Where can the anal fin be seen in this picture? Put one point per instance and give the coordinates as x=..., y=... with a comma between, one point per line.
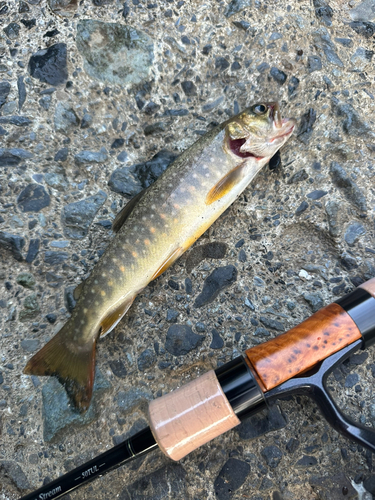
x=125, y=212
x=168, y=262
x=111, y=320
x=226, y=184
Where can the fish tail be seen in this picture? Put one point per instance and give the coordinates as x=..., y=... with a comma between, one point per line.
x=72, y=364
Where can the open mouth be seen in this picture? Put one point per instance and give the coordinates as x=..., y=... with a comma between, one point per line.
x=235, y=146
x=287, y=132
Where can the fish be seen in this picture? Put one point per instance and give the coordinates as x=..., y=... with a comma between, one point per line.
x=153, y=230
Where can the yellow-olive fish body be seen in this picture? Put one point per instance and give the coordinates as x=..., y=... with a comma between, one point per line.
x=153, y=231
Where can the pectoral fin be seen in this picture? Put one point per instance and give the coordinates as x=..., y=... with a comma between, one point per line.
x=126, y=211
x=226, y=184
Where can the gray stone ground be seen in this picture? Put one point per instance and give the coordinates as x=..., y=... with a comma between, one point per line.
x=89, y=91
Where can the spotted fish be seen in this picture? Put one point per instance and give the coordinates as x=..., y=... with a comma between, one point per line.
x=155, y=229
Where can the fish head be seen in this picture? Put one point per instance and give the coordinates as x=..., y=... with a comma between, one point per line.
x=258, y=131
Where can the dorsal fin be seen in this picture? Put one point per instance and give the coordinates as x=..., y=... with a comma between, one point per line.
x=225, y=184
x=126, y=211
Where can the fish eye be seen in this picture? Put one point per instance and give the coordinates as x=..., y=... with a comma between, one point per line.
x=260, y=109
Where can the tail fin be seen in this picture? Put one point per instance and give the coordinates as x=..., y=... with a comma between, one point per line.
x=73, y=365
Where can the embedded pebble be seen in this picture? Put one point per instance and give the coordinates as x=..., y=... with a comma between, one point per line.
x=33, y=250
x=12, y=243
x=322, y=40
x=217, y=342
x=4, y=92
x=272, y=455
x=315, y=301
x=306, y=126
x=33, y=198
x=299, y=176
x=363, y=11
x=349, y=188
x=123, y=182
x=146, y=360
x=30, y=309
x=91, y=157
x=118, y=368
x=78, y=216
x=352, y=122
x=332, y=208
x=172, y=316
x=65, y=118
x=181, y=339
x=113, y=52
x=49, y=65
x=353, y=233
x=159, y=484
x=363, y=28
x=14, y=472
x=323, y=11
x=13, y=156
x=220, y=279
x=232, y=475
x=26, y=280
x=278, y=75
x=213, y=250
x=274, y=324
x=149, y=171
x=301, y=208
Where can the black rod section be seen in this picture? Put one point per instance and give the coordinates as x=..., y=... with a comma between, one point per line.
x=240, y=387
x=360, y=305
x=133, y=447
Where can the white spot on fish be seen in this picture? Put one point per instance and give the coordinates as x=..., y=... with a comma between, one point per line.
x=195, y=176
x=96, y=282
x=85, y=310
x=144, y=218
x=82, y=321
x=207, y=175
x=92, y=290
x=104, y=275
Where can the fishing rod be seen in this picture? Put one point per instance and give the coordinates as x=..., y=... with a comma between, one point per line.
x=295, y=362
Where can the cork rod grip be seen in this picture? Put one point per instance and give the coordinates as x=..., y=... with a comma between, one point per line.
x=299, y=349
x=190, y=416
x=369, y=286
